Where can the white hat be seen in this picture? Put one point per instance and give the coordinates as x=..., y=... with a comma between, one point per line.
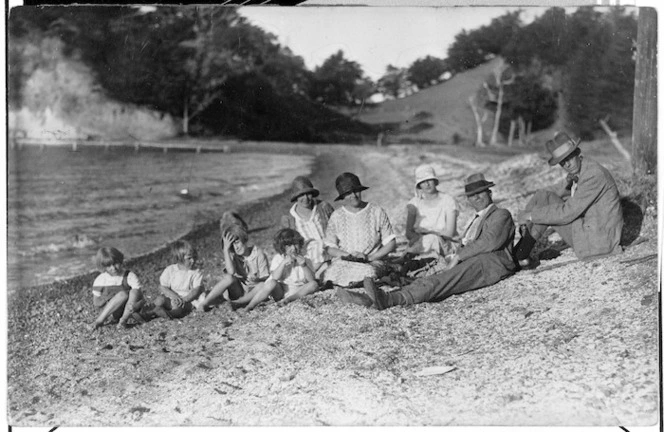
x=424, y=173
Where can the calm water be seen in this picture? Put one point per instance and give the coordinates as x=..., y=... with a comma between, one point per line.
x=64, y=205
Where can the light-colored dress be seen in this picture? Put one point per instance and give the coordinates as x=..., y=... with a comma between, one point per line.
x=366, y=232
x=313, y=230
x=432, y=215
x=293, y=276
x=182, y=281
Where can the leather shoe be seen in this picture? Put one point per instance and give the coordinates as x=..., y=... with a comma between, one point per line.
x=377, y=295
x=526, y=264
x=353, y=298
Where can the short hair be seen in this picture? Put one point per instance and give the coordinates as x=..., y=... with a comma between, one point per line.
x=182, y=248
x=108, y=256
x=286, y=237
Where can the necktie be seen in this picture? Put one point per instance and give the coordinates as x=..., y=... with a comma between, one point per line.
x=471, y=232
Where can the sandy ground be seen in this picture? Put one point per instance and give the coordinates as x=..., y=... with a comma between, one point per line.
x=568, y=343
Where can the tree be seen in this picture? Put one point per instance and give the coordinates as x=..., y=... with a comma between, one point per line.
x=394, y=82
x=644, y=153
x=335, y=80
x=426, y=70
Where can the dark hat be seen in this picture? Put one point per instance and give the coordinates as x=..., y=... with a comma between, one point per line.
x=475, y=183
x=232, y=223
x=560, y=147
x=301, y=186
x=347, y=183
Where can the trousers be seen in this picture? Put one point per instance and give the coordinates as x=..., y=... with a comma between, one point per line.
x=477, y=272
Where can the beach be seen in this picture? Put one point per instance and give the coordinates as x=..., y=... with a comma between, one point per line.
x=569, y=343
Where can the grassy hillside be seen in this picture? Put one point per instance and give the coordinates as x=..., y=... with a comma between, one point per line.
x=438, y=114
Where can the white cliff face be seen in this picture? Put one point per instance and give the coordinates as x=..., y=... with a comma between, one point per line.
x=61, y=100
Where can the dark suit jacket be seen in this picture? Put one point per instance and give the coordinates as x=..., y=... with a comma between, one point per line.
x=495, y=236
x=594, y=212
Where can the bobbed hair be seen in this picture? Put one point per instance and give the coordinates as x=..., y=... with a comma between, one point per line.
x=286, y=237
x=108, y=256
x=182, y=248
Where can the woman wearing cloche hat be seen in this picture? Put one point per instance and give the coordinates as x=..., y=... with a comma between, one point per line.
x=431, y=221
x=357, y=231
x=309, y=216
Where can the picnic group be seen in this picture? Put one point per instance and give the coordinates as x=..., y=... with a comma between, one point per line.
x=352, y=249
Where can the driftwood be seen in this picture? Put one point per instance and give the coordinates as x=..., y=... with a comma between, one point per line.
x=614, y=140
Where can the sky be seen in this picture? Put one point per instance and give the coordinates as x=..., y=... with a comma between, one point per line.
x=374, y=37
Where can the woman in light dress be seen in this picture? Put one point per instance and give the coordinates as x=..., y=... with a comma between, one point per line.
x=431, y=222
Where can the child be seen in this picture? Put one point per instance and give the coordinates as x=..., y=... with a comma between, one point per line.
x=291, y=277
x=115, y=291
x=246, y=265
x=181, y=284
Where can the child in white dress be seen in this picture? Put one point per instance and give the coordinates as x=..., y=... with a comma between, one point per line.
x=180, y=284
x=115, y=291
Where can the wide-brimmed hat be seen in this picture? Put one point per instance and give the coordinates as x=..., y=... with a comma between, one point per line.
x=561, y=146
x=475, y=183
x=424, y=173
x=347, y=183
x=302, y=186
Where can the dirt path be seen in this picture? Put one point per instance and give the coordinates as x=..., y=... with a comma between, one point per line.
x=575, y=345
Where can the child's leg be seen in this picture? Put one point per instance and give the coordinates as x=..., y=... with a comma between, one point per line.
x=133, y=304
x=262, y=291
x=162, y=305
x=227, y=282
x=113, y=305
x=306, y=289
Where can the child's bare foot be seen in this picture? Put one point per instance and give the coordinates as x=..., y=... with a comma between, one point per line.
x=122, y=324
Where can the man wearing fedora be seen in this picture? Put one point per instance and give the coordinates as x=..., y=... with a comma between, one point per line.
x=586, y=213
x=484, y=259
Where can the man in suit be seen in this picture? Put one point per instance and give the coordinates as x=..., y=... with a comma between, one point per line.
x=484, y=259
x=586, y=213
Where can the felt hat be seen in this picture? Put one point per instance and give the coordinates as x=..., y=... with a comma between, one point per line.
x=475, y=183
x=302, y=186
x=560, y=147
x=424, y=173
x=232, y=223
x=347, y=183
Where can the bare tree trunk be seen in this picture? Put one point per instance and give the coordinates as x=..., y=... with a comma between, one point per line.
x=529, y=130
x=498, y=74
x=522, y=131
x=614, y=140
x=511, y=137
x=644, y=125
x=479, y=139
x=185, y=117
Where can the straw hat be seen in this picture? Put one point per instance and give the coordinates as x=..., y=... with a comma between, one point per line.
x=347, y=183
x=302, y=186
x=560, y=147
x=424, y=173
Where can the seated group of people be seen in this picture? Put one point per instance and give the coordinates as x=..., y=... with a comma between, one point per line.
x=353, y=245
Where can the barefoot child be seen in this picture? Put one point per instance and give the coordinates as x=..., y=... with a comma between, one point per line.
x=246, y=265
x=291, y=277
x=115, y=291
x=180, y=284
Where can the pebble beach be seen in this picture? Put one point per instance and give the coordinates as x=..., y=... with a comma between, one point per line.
x=569, y=343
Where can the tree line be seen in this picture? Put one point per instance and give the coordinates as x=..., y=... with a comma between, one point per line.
x=211, y=67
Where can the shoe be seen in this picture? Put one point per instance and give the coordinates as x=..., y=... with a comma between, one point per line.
x=353, y=298
x=376, y=294
x=526, y=264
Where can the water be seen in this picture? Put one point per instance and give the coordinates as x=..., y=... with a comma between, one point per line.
x=64, y=205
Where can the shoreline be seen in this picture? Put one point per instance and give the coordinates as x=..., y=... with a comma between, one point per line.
x=254, y=211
